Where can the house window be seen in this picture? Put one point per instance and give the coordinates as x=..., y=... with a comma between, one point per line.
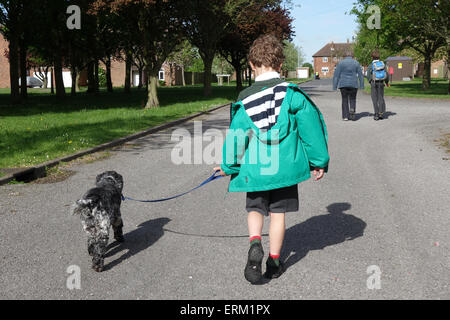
x=162, y=75
x=325, y=59
x=325, y=70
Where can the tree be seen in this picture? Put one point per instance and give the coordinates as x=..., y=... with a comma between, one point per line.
x=310, y=66
x=51, y=41
x=403, y=27
x=15, y=16
x=205, y=24
x=442, y=27
x=184, y=56
x=258, y=17
x=294, y=56
x=366, y=42
x=157, y=26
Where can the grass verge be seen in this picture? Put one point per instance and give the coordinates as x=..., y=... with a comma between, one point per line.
x=45, y=128
x=413, y=89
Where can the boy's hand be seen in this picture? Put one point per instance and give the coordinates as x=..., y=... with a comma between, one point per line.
x=219, y=169
x=319, y=173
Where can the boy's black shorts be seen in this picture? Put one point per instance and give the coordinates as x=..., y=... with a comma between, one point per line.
x=273, y=201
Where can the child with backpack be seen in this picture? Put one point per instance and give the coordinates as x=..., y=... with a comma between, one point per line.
x=378, y=79
x=276, y=139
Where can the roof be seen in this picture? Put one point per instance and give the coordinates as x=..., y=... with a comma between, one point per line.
x=398, y=59
x=339, y=48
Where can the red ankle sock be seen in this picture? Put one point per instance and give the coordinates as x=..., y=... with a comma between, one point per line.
x=275, y=260
x=255, y=240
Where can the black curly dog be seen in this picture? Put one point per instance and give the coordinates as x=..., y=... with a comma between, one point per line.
x=99, y=209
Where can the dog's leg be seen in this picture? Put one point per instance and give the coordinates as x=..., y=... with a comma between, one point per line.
x=98, y=237
x=117, y=225
x=118, y=231
x=97, y=249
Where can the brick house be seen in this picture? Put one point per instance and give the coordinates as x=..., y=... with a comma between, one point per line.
x=117, y=72
x=327, y=58
x=4, y=63
x=439, y=69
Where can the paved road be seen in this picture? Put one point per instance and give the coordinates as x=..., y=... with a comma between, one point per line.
x=385, y=202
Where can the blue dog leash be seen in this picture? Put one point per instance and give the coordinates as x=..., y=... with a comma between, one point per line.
x=214, y=177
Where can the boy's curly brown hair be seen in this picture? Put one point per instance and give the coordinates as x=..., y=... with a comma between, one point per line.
x=267, y=51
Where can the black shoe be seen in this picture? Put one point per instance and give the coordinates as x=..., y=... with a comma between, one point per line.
x=376, y=117
x=253, y=270
x=273, y=271
x=353, y=117
x=381, y=116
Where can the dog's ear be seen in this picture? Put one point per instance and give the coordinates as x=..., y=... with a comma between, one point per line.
x=119, y=181
x=100, y=177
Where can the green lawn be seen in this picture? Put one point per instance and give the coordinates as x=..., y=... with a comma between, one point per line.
x=413, y=89
x=44, y=128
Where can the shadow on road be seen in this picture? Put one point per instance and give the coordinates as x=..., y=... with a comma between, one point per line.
x=320, y=232
x=361, y=115
x=147, y=234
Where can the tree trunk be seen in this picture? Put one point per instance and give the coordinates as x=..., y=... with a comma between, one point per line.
x=141, y=77
x=448, y=67
x=59, y=80
x=78, y=81
x=109, y=83
x=249, y=77
x=152, y=94
x=52, y=80
x=128, y=65
x=145, y=77
x=45, y=77
x=23, y=72
x=74, y=74
x=207, y=61
x=170, y=74
x=238, y=69
x=182, y=76
x=426, y=81
x=96, y=78
x=14, y=69
x=91, y=78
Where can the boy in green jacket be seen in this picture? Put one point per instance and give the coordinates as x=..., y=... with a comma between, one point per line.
x=277, y=137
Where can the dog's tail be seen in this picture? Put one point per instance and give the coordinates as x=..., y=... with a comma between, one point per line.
x=82, y=207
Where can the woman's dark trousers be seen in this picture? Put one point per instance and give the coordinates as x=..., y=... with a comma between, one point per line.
x=348, y=102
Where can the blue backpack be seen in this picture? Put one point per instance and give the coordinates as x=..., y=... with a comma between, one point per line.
x=379, y=71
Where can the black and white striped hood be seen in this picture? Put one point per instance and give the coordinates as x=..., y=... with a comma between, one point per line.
x=264, y=107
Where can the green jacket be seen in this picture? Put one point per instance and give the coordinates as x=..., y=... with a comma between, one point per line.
x=261, y=160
